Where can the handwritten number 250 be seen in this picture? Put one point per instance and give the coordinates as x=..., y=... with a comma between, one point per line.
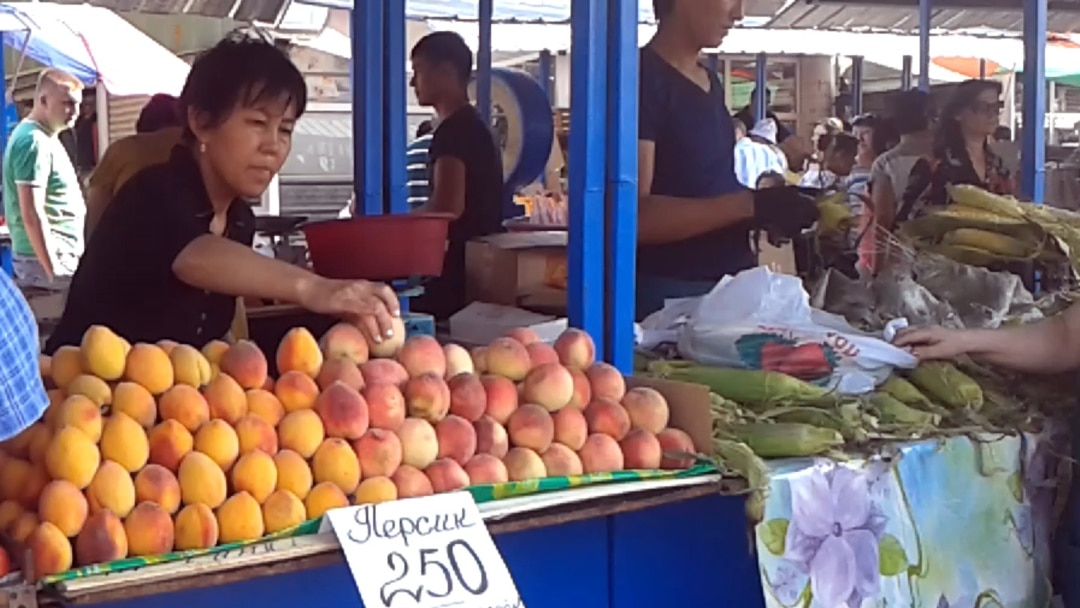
x=396, y=561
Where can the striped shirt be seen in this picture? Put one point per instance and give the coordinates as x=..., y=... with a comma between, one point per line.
x=753, y=159
x=416, y=165
x=22, y=394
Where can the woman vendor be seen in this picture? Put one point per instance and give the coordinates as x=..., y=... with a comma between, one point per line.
x=173, y=249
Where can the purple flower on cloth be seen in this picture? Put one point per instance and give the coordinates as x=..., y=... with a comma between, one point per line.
x=834, y=533
x=787, y=583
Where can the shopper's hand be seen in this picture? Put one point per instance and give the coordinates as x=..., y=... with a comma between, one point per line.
x=784, y=212
x=930, y=343
x=371, y=306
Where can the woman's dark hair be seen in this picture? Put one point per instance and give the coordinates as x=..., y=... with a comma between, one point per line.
x=158, y=113
x=949, y=136
x=911, y=112
x=884, y=138
x=240, y=71
x=447, y=48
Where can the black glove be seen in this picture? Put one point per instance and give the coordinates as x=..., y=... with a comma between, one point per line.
x=784, y=212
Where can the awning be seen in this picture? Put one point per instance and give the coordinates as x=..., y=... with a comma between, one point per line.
x=95, y=45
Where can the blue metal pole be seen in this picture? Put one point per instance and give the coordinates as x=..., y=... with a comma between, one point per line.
x=856, y=86
x=483, y=62
x=367, y=120
x=1033, y=135
x=546, y=73
x=761, y=85
x=588, y=120
x=395, y=108
x=905, y=74
x=924, y=44
x=622, y=173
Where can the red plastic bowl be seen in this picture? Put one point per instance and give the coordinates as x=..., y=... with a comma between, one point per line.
x=379, y=247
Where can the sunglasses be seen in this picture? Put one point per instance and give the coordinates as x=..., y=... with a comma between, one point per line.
x=985, y=107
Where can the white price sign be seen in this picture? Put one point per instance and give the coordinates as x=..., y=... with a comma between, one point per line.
x=429, y=552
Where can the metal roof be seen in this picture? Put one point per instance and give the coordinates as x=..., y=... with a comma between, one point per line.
x=902, y=15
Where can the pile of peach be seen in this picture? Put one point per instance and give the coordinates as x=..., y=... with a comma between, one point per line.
x=147, y=449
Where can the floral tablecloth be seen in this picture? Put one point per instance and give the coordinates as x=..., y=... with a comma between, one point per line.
x=957, y=523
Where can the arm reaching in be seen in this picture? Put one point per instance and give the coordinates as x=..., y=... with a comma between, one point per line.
x=1049, y=346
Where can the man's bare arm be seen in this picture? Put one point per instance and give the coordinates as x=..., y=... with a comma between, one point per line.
x=32, y=209
x=669, y=219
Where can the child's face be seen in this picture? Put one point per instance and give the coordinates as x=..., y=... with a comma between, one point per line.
x=840, y=163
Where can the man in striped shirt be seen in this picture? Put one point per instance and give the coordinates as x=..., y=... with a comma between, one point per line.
x=416, y=161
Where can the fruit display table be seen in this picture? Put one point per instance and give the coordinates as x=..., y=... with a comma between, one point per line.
x=617, y=546
x=960, y=522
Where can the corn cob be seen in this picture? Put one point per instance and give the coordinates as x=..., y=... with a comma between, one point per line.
x=833, y=215
x=986, y=240
x=827, y=419
x=786, y=439
x=976, y=215
x=948, y=385
x=738, y=458
x=743, y=386
x=973, y=196
x=894, y=411
x=904, y=391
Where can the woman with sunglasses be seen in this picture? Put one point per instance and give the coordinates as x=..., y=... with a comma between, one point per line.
x=962, y=152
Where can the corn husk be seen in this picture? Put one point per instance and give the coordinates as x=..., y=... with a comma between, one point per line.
x=743, y=386
x=786, y=439
x=948, y=385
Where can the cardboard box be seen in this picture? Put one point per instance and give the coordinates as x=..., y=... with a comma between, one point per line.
x=515, y=267
x=479, y=323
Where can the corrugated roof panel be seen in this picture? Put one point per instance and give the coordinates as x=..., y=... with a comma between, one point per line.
x=866, y=16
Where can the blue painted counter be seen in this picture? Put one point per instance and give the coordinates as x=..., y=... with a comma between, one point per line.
x=690, y=553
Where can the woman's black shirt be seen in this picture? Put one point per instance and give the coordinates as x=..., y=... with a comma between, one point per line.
x=125, y=279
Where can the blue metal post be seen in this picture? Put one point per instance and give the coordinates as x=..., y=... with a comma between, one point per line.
x=367, y=56
x=1033, y=136
x=483, y=62
x=856, y=86
x=761, y=85
x=546, y=74
x=905, y=74
x=588, y=122
x=924, y=44
x=395, y=108
x=622, y=173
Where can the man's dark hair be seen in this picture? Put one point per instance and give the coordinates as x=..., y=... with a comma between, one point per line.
x=844, y=143
x=1003, y=133
x=240, y=71
x=768, y=94
x=158, y=113
x=424, y=128
x=912, y=112
x=662, y=8
x=447, y=48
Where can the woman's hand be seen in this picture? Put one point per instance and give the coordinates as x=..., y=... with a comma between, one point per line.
x=371, y=306
x=929, y=343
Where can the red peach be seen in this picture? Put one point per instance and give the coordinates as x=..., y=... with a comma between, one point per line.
x=491, y=437
x=601, y=454
x=607, y=417
x=524, y=335
x=647, y=409
x=576, y=349
x=561, y=461
x=457, y=438
x=523, y=464
x=531, y=426
x=502, y=397
x=508, y=358
x=446, y=475
x=479, y=359
x=379, y=452
x=673, y=442
x=606, y=381
x=641, y=450
x=343, y=411
x=468, y=398
x=245, y=363
x=383, y=371
x=422, y=355
x=571, y=429
x=541, y=353
x=550, y=386
x=484, y=469
x=344, y=341
x=582, y=390
x=340, y=370
x=419, y=444
x=411, y=482
x=427, y=397
x=386, y=406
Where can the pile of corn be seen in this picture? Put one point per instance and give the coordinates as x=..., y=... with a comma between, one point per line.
x=778, y=416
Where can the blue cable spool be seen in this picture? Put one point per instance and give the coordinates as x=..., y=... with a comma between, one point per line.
x=523, y=124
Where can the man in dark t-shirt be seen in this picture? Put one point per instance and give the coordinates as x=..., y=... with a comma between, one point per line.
x=465, y=167
x=695, y=218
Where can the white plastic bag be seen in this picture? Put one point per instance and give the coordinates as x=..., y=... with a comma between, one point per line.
x=762, y=320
